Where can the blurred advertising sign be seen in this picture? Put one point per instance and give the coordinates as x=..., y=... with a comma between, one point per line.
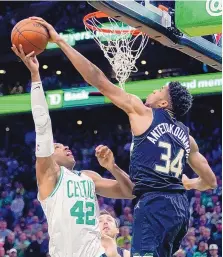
x=197, y=84
x=71, y=37
x=80, y=97
x=54, y=99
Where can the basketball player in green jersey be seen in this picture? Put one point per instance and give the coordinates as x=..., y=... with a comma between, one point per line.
x=68, y=197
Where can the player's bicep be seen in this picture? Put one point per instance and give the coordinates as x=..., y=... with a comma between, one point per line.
x=44, y=166
x=200, y=165
x=197, y=162
x=127, y=102
x=46, y=175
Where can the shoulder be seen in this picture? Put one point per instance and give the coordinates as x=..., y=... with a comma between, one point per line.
x=138, y=105
x=193, y=145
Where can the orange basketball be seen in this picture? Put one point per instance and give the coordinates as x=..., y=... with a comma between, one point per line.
x=31, y=35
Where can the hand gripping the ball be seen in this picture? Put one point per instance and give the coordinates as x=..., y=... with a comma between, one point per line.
x=54, y=36
x=29, y=60
x=105, y=157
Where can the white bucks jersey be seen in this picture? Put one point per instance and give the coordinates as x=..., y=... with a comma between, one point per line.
x=72, y=214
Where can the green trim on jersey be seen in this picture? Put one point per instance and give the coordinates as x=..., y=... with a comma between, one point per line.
x=58, y=182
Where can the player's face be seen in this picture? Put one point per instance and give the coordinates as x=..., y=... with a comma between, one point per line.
x=108, y=226
x=63, y=156
x=158, y=99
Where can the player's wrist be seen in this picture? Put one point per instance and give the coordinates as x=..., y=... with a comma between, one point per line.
x=111, y=167
x=35, y=76
x=60, y=41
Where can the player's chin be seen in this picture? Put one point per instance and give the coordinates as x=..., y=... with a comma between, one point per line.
x=71, y=159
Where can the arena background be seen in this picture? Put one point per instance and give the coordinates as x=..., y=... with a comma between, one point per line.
x=83, y=122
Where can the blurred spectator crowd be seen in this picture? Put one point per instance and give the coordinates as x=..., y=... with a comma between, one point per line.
x=23, y=226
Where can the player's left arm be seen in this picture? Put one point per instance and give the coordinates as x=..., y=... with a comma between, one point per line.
x=121, y=187
x=109, y=187
x=199, y=164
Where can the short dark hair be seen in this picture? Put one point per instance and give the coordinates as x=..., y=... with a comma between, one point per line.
x=181, y=99
x=104, y=212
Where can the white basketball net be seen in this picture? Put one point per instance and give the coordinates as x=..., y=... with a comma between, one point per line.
x=122, y=50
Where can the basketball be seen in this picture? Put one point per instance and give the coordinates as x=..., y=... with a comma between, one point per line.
x=31, y=35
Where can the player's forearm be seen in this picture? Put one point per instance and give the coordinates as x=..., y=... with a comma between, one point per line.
x=123, y=179
x=40, y=112
x=87, y=69
x=37, y=93
x=200, y=184
x=207, y=175
x=35, y=77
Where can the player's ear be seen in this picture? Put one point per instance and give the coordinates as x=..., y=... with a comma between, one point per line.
x=163, y=104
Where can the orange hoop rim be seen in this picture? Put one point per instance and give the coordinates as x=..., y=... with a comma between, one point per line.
x=99, y=15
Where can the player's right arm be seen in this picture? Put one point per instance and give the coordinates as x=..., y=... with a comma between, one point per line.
x=46, y=169
x=199, y=164
x=95, y=77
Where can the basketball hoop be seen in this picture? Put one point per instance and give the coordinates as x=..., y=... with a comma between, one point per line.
x=120, y=43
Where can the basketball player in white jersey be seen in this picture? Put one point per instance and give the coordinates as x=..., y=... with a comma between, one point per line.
x=68, y=197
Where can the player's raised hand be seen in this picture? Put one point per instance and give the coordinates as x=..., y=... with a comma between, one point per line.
x=29, y=60
x=105, y=157
x=54, y=36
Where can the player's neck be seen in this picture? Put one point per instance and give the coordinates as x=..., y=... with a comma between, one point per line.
x=171, y=113
x=70, y=168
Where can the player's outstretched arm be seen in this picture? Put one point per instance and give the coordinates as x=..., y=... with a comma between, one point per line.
x=94, y=76
x=46, y=168
x=121, y=188
x=199, y=164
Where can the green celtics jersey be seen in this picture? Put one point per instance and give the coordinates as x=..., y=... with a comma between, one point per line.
x=72, y=214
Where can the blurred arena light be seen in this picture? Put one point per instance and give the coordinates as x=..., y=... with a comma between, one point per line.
x=160, y=71
x=143, y=62
x=45, y=67
x=7, y=129
x=79, y=122
x=58, y=72
x=2, y=71
x=146, y=72
x=212, y=111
